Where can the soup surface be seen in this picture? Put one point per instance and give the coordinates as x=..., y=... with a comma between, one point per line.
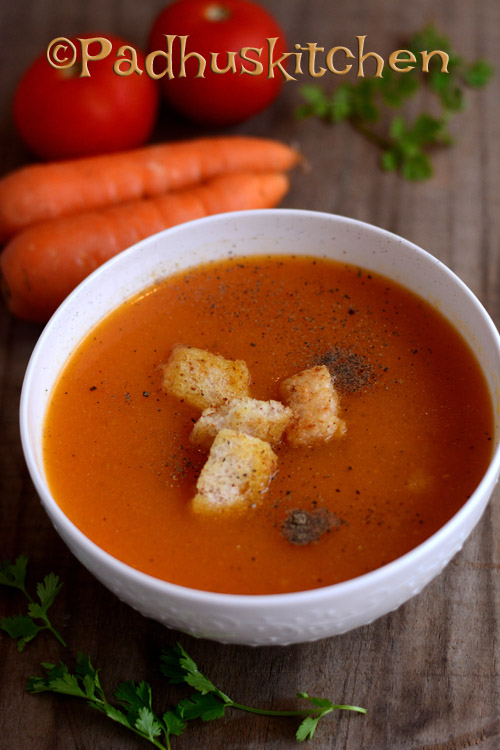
x=418, y=416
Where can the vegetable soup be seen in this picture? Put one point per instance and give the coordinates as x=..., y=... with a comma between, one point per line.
x=416, y=413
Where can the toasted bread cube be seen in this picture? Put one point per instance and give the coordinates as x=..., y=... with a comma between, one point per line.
x=236, y=473
x=204, y=379
x=266, y=420
x=314, y=403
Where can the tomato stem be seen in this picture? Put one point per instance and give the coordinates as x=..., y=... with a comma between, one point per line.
x=217, y=12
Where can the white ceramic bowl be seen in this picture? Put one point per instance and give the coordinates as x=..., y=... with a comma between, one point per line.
x=267, y=619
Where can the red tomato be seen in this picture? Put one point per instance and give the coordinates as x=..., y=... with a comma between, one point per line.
x=60, y=115
x=219, y=26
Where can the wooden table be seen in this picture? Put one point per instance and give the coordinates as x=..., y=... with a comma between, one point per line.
x=427, y=673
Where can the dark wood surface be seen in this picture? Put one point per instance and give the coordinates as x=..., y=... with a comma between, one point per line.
x=429, y=673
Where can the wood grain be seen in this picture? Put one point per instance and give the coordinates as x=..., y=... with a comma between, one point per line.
x=429, y=673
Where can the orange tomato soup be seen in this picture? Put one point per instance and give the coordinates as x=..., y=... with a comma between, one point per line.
x=418, y=414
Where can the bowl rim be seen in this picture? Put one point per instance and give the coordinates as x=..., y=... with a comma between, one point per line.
x=200, y=596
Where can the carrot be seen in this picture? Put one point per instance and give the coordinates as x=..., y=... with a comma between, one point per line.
x=45, y=191
x=42, y=264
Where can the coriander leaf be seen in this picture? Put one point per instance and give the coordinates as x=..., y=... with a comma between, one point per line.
x=307, y=728
x=478, y=74
x=148, y=724
x=394, y=88
x=47, y=590
x=58, y=679
x=134, y=696
x=397, y=127
x=201, y=683
x=89, y=678
x=426, y=129
x=364, y=103
x=416, y=167
x=21, y=627
x=363, y=94
x=174, y=723
x=341, y=103
x=14, y=574
x=113, y=713
x=178, y=666
x=170, y=665
x=205, y=707
x=320, y=702
x=390, y=160
x=428, y=39
x=452, y=98
x=317, y=103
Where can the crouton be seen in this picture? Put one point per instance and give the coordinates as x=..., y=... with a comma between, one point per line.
x=236, y=473
x=314, y=403
x=263, y=419
x=204, y=379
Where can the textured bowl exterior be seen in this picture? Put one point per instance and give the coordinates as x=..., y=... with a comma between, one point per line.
x=282, y=618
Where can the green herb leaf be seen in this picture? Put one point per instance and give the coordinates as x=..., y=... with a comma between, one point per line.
x=20, y=627
x=478, y=74
x=320, y=702
x=205, y=707
x=47, y=590
x=341, y=104
x=148, y=724
x=174, y=723
x=206, y=703
x=133, y=696
x=14, y=574
x=307, y=728
x=405, y=146
x=178, y=666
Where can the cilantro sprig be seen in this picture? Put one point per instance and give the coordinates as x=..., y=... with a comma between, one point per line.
x=133, y=701
x=374, y=107
x=24, y=627
x=209, y=702
x=132, y=704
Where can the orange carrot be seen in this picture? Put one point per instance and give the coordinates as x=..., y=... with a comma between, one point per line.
x=42, y=264
x=47, y=191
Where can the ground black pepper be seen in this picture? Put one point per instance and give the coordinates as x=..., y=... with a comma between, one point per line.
x=352, y=371
x=303, y=527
